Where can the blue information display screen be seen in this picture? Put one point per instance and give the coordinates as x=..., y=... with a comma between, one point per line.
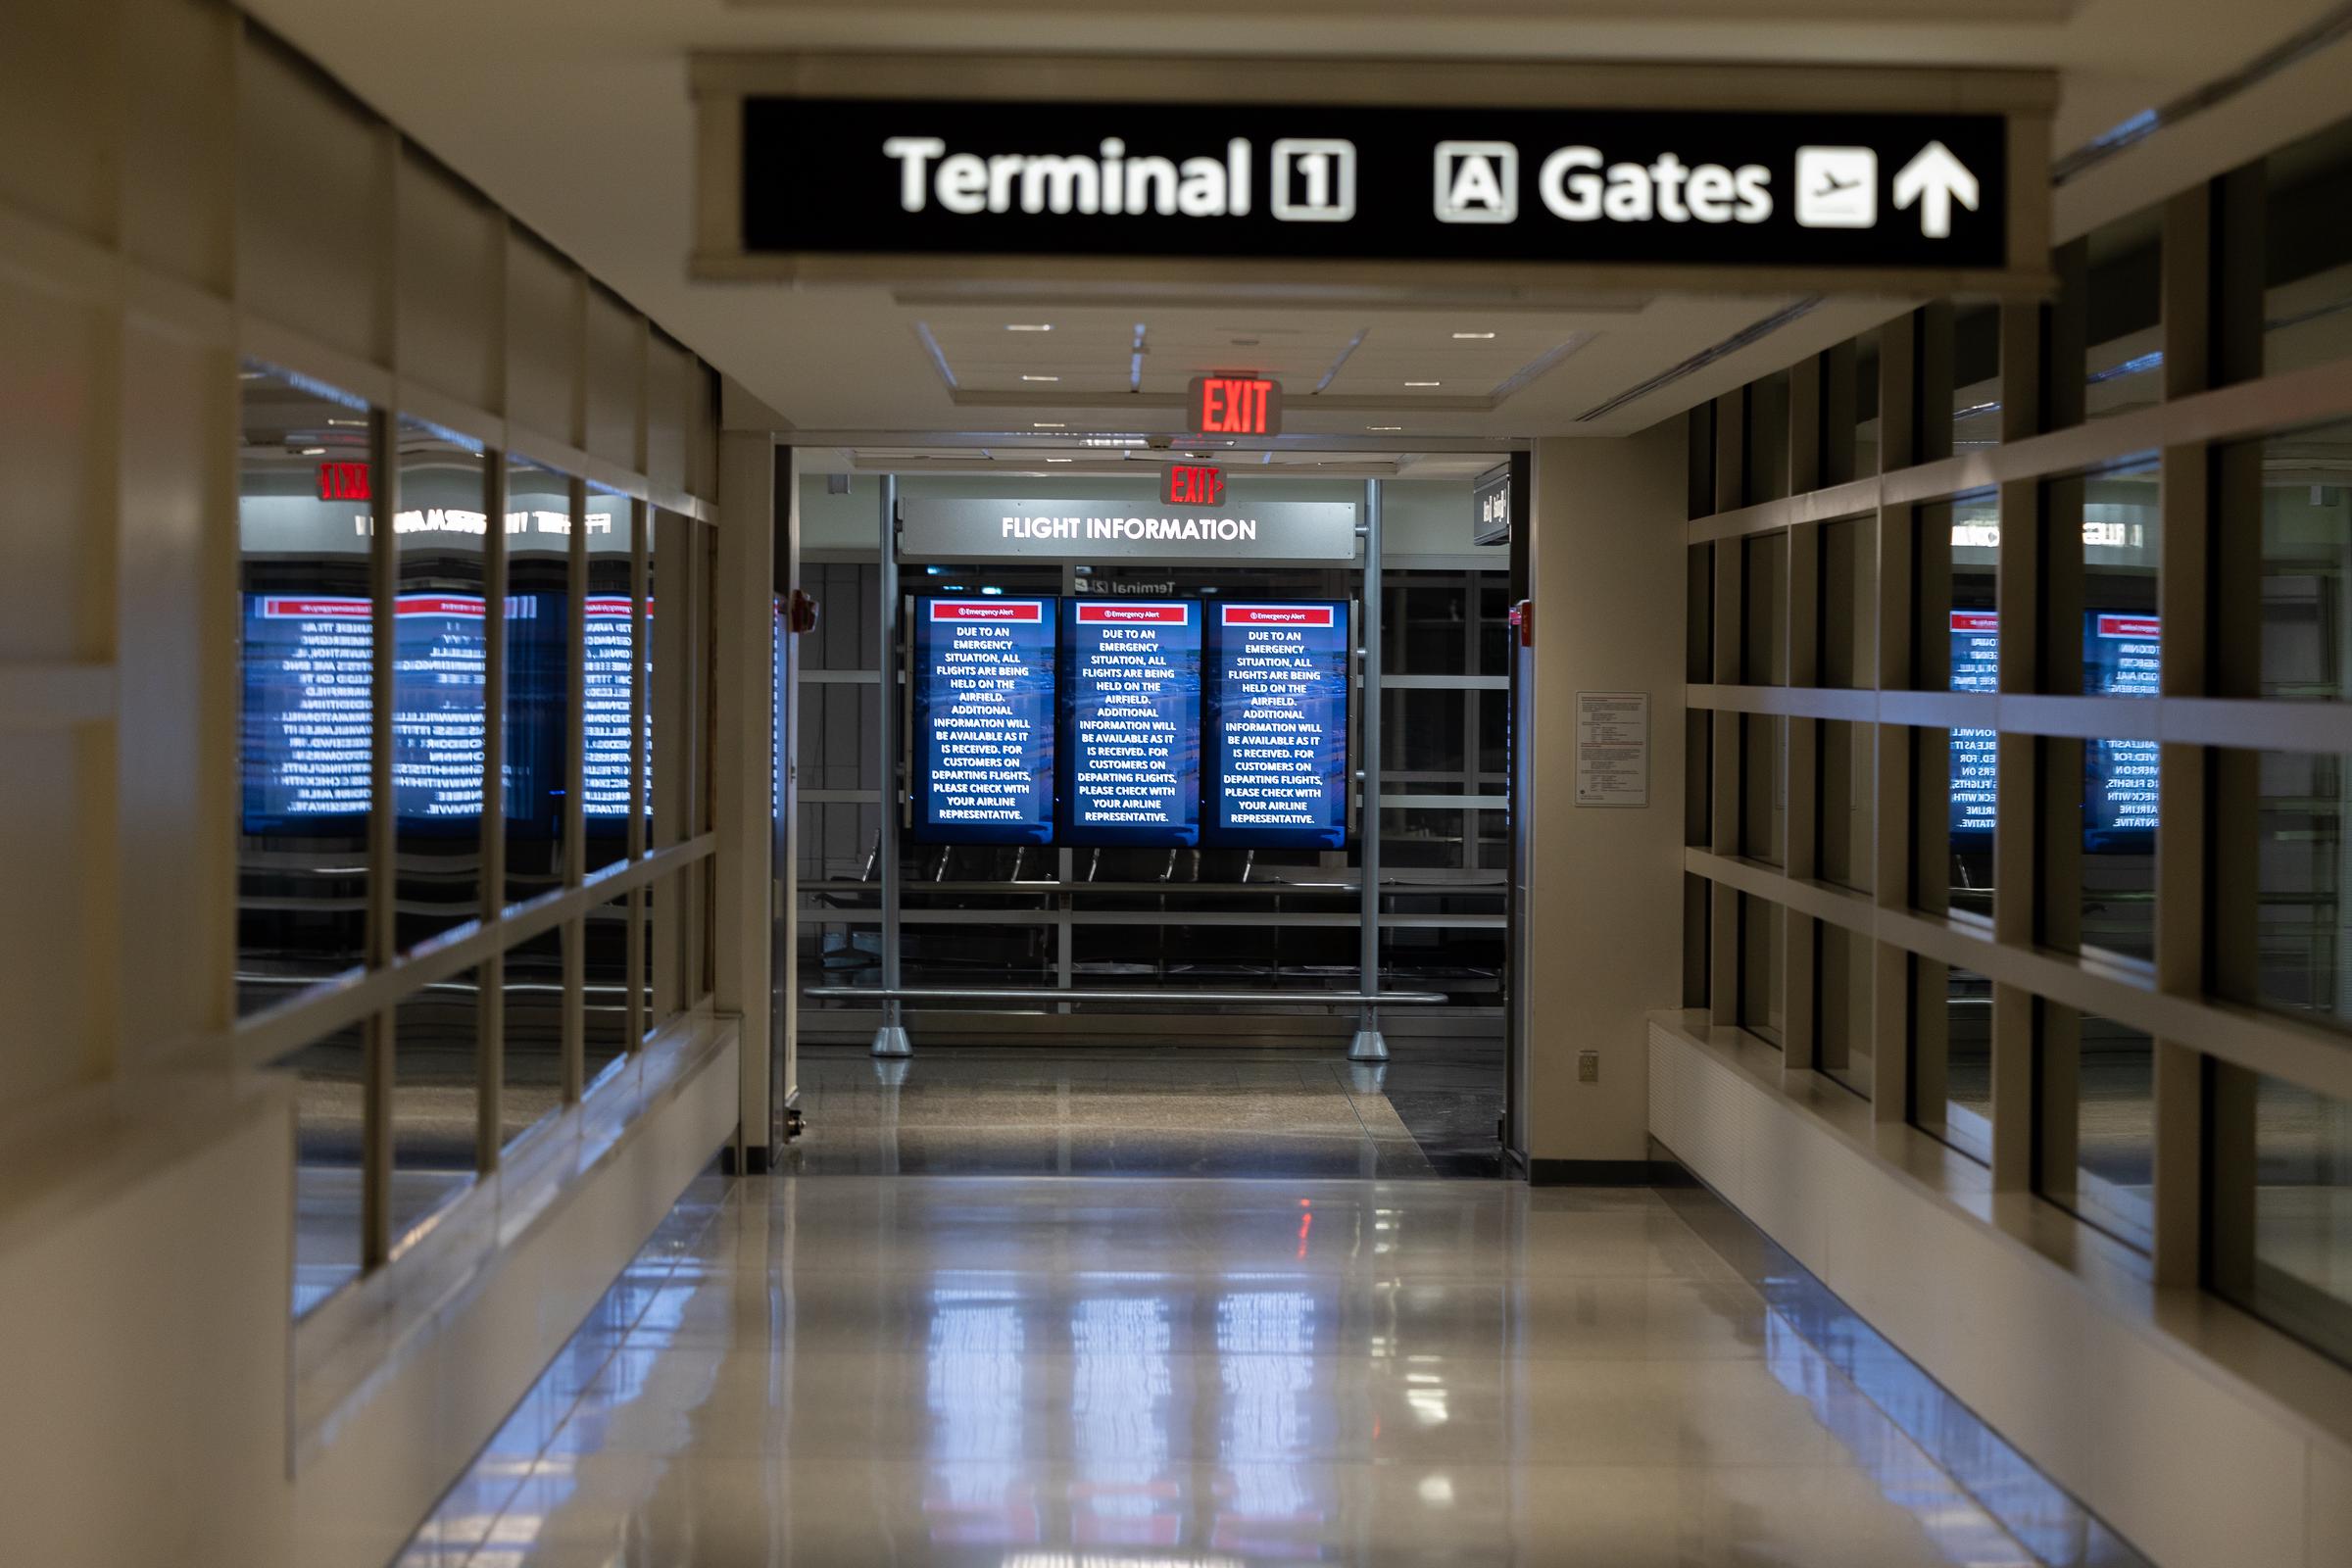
x=1131, y=695
x=984, y=720
x=2123, y=656
x=1975, y=771
x=1276, y=701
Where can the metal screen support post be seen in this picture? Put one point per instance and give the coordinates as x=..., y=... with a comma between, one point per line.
x=890, y=1040
x=1368, y=1043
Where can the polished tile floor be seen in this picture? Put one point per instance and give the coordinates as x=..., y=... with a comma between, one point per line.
x=1080, y=1372
x=1065, y=1109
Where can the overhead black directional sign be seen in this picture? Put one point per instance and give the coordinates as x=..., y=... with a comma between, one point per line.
x=1833, y=189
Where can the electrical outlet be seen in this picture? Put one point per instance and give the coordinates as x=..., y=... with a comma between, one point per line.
x=1587, y=1066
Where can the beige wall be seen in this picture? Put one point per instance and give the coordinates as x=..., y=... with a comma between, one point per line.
x=1604, y=898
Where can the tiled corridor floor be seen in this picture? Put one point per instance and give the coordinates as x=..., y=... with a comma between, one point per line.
x=1094, y=1372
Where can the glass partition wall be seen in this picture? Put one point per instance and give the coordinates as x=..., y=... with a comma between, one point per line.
x=430, y=627
x=2055, y=908
x=1225, y=919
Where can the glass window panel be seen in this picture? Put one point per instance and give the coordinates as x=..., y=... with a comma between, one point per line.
x=1493, y=733
x=1951, y=1057
x=1763, y=993
x=437, y=1100
x=1698, y=778
x=1958, y=558
x=307, y=662
x=1768, y=438
x=2302, y=1220
x=604, y=998
x=2122, y=305
x=2307, y=252
x=1699, y=906
x=1976, y=377
x=1698, y=615
x=2098, y=1122
x=606, y=689
x=2119, y=847
x=1423, y=840
x=1764, y=622
x=2306, y=562
x=534, y=1057
x=1848, y=849
x=538, y=709
x=1844, y=1013
x=1494, y=634
x=331, y=1077
x=1866, y=405
x=1421, y=733
x=1426, y=631
x=1763, y=793
x=1849, y=602
x=1957, y=785
x=2302, y=868
x=438, y=652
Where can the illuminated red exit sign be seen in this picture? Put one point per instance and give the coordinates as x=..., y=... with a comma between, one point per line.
x=343, y=481
x=1235, y=405
x=1187, y=485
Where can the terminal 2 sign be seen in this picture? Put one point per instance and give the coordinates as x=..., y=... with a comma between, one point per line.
x=841, y=170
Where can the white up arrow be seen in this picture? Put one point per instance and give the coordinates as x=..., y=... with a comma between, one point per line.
x=1933, y=180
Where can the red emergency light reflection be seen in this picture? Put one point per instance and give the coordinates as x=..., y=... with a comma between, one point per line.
x=1235, y=405
x=343, y=481
x=1188, y=485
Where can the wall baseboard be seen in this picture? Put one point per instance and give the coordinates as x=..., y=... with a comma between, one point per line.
x=1606, y=1173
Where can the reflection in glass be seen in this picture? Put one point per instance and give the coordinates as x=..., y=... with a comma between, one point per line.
x=2302, y=854
x=2100, y=1166
x=607, y=693
x=1763, y=993
x=305, y=519
x=2307, y=252
x=533, y=1058
x=435, y=1100
x=2119, y=846
x=1764, y=611
x=330, y=1096
x=2306, y=560
x=438, y=653
x=1849, y=805
x=1763, y=791
x=1976, y=377
x=2301, y=1274
x=1849, y=602
x=1844, y=1011
x=1951, y=1057
x=2122, y=304
x=605, y=1005
x=538, y=708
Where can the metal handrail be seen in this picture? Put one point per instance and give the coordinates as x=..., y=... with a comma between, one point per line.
x=1179, y=997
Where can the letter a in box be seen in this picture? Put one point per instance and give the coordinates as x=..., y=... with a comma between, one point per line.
x=1235, y=405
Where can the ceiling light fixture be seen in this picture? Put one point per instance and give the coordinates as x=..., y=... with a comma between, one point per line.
x=1041, y=377
x=1465, y=336
x=1048, y=424
x=1384, y=426
x=1029, y=326
x=1061, y=459
x=1424, y=383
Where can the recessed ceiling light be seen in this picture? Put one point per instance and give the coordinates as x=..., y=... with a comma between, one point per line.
x=1384, y=426
x=1061, y=459
x=311, y=452
x=1041, y=377
x=1048, y=424
x=1424, y=383
x=1463, y=336
x=1029, y=326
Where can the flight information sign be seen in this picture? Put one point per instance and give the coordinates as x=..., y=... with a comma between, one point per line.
x=2123, y=654
x=1131, y=688
x=1976, y=761
x=984, y=719
x=1276, y=696
x=308, y=709
x=606, y=699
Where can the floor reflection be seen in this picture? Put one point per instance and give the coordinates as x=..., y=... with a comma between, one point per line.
x=1122, y=1374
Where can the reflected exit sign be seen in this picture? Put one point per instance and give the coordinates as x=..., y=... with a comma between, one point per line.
x=1235, y=405
x=343, y=481
x=1188, y=485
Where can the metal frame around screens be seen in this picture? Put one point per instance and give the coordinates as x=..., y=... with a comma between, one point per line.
x=890, y=1039
x=2208, y=720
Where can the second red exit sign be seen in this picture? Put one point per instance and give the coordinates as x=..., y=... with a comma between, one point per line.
x=1187, y=485
x=1235, y=405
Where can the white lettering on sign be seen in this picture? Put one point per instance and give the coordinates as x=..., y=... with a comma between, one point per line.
x=1230, y=530
x=1578, y=184
x=1108, y=182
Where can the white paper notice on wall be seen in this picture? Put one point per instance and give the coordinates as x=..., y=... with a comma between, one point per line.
x=1612, y=748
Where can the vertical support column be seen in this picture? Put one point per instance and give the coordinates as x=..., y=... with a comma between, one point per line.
x=741, y=611
x=1892, y=808
x=1727, y=759
x=1368, y=1043
x=1800, y=831
x=576, y=848
x=378, y=1059
x=890, y=1040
